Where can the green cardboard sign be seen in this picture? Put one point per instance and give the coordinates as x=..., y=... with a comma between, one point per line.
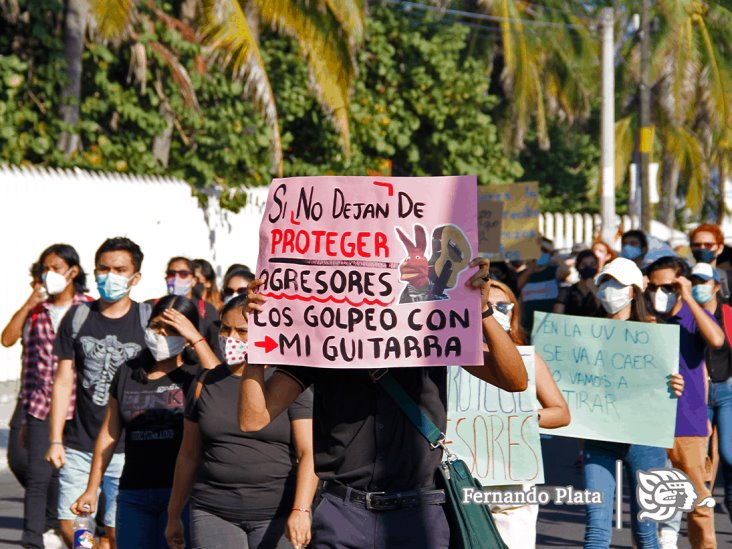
x=613, y=374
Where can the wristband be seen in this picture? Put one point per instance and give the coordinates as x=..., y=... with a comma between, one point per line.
x=197, y=342
x=301, y=509
x=488, y=312
x=56, y=442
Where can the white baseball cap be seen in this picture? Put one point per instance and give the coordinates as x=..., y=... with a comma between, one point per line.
x=705, y=271
x=624, y=271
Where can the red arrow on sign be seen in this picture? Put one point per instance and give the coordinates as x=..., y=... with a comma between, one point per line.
x=269, y=344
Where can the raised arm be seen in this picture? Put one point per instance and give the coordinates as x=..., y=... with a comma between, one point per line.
x=14, y=329
x=196, y=341
x=554, y=412
x=502, y=363
x=189, y=457
x=298, y=524
x=707, y=326
x=104, y=447
x=260, y=403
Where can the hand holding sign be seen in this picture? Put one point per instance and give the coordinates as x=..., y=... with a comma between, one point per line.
x=361, y=272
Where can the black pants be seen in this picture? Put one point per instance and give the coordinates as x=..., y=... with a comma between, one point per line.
x=41, y=492
x=17, y=454
x=341, y=525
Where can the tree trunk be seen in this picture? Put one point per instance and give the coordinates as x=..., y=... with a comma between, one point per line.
x=77, y=12
x=669, y=187
x=188, y=11
x=162, y=142
x=722, y=194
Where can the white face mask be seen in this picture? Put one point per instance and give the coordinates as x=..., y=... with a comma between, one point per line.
x=163, y=347
x=234, y=350
x=503, y=319
x=55, y=283
x=613, y=296
x=663, y=301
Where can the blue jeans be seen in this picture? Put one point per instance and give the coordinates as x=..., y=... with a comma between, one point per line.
x=141, y=519
x=599, y=473
x=720, y=414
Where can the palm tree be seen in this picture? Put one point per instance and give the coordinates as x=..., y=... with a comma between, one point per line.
x=549, y=59
x=327, y=31
x=691, y=100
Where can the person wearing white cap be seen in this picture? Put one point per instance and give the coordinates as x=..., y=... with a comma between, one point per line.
x=705, y=282
x=670, y=292
x=620, y=291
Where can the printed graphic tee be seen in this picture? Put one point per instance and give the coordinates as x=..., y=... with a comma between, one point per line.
x=152, y=417
x=100, y=348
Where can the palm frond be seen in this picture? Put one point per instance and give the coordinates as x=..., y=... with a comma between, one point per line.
x=686, y=148
x=113, y=18
x=233, y=44
x=179, y=73
x=624, y=145
x=327, y=51
x=350, y=15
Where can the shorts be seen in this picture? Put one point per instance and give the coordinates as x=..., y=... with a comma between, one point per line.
x=73, y=479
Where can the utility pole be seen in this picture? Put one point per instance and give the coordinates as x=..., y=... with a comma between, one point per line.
x=607, y=125
x=645, y=140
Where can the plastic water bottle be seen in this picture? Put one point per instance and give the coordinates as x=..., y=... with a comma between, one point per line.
x=84, y=529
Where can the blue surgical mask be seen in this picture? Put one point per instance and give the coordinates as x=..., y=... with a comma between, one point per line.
x=112, y=287
x=543, y=259
x=702, y=293
x=703, y=256
x=631, y=252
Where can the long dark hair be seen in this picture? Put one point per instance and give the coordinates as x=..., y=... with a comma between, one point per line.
x=71, y=258
x=188, y=309
x=212, y=294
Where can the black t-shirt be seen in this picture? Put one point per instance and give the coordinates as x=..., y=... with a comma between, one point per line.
x=577, y=303
x=152, y=416
x=99, y=349
x=718, y=360
x=243, y=476
x=361, y=437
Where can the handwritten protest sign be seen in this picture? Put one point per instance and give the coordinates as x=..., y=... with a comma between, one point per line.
x=613, y=376
x=368, y=272
x=495, y=432
x=490, y=214
x=520, y=227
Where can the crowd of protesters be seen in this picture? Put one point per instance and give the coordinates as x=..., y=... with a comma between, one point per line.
x=147, y=415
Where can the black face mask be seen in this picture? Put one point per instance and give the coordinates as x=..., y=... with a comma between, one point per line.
x=587, y=272
x=198, y=290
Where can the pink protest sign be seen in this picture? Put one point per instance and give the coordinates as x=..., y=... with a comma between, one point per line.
x=368, y=272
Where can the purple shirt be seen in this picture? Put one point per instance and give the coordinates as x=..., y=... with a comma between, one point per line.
x=691, y=415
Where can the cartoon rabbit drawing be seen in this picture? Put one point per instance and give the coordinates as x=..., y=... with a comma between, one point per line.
x=414, y=268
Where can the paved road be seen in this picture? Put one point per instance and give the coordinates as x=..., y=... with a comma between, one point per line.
x=559, y=526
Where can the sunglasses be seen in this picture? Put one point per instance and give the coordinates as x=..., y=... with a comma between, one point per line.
x=670, y=288
x=705, y=245
x=503, y=306
x=183, y=273
x=233, y=291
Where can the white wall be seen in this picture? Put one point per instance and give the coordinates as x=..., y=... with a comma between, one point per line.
x=42, y=207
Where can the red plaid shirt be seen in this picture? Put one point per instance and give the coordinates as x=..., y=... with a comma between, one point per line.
x=39, y=363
